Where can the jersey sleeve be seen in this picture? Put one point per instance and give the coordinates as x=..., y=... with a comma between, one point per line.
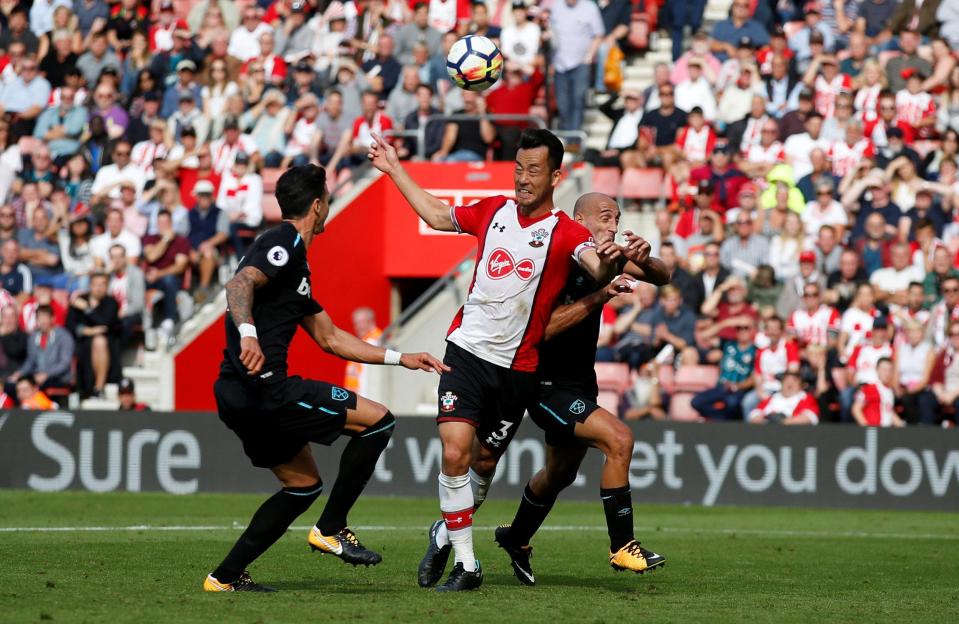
x=273, y=253
x=809, y=407
x=792, y=352
x=575, y=238
x=470, y=219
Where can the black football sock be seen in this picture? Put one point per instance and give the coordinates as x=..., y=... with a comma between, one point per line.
x=532, y=512
x=269, y=523
x=356, y=467
x=618, y=505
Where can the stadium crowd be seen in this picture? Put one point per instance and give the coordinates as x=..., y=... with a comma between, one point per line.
x=809, y=156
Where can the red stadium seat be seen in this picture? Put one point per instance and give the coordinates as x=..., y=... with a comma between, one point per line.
x=612, y=376
x=695, y=378
x=681, y=409
x=609, y=401
x=667, y=378
x=606, y=180
x=642, y=183
x=270, y=176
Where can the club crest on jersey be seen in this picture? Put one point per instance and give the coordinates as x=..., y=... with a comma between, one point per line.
x=501, y=264
x=539, y=236
x=339, y=394
x=578, y=407
x=448, y=402
x=277, y=256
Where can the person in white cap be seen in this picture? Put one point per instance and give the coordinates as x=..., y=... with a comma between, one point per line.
x=185, y=81
x=209, y=228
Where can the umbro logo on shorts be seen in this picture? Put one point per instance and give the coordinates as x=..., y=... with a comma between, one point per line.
x=339, y=394
x=578, y=407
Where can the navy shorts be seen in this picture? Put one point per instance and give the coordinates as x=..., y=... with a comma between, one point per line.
x=275, y=421
x=491, y=398
x=560, y=406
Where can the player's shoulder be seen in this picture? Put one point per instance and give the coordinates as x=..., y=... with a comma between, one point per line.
x=280, y=244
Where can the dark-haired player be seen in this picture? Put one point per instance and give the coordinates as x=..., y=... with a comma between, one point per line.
x=277, y=415
x=526, y=251
x=567, y=410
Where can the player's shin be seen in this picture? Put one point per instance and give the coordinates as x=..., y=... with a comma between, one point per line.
x=268, y=524
x=618, y=506
x=356, y=467
x=456, y=503
x=481, y=485
x=532, y=512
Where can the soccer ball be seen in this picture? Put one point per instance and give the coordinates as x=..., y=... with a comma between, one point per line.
x=474, y=63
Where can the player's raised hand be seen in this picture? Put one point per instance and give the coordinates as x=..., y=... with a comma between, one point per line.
x=608, y=252
x=637, y=248
x=251, y=356
x=382, y=155
x=619, y=286
x=424, y=362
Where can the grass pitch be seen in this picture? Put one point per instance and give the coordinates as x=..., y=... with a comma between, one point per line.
x=724, y=564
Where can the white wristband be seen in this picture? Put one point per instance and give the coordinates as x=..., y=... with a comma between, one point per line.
x=391, y=357
x=247, y=330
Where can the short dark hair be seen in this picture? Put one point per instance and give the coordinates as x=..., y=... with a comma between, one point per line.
x=667, y=243
x=164, y=211
x=924, y=223
x=27, y=378
x=541, y=137
x=424, y=85
x=776, y=319
x=298, y=187
x=47, y=308
x=883, y=359
x=915, y=284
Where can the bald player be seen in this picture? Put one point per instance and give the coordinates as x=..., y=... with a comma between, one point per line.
x=568, y=413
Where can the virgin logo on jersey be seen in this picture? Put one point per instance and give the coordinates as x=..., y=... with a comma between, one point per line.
x=501, y=264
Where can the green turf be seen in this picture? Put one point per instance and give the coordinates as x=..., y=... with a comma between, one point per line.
x=725, y=564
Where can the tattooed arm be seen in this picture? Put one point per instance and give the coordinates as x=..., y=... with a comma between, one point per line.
x=239, y=303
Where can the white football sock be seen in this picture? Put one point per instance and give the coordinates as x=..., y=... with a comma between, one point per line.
x=480, y=487
x=442, y=536
x=456, y=503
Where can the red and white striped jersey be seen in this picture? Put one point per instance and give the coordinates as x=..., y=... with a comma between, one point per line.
x=867, y=100
x=828, y=90
x=814, y=328
x=914, y=107
x=697, y=145
x=521, y=267
x=857, y=324
x=145, y=152
x=846, y=158
x=773, y=360
x=224, y=154
x=772, y=154
x=799, y=404
x=878, y=404
x=864, y=359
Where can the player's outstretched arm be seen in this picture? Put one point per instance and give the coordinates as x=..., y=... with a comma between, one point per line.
x=239, y=303
x=566, y=316
x=431, y=209
x=640, y=264
x=345, y=345
x=602, y=261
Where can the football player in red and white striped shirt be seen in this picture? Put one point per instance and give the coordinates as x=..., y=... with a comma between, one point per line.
x=789, y=406
x=526, y=252
x=875, y=404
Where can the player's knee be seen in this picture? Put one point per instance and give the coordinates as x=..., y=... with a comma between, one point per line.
x=382, y=429
x=619, y=442
x=456, y=460
x=304, y=495
x=484, y=465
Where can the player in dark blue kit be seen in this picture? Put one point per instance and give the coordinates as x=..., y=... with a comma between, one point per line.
x=277, y=415
x=568, y=413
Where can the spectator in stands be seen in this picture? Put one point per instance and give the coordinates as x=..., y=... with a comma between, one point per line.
x=798, y=147
x=892, y=282
x=790, y=405
x=679, y=15
x=908, y=58
x=520, y=41
x=15, y=276
x=25, y=97
x=696, y=91
x=42, y=296
x=735, y=376
x=365, y=328
x=875, y=402
x=30, y=397
x=61, y=125
x=672, y=323
x=712, y=275
x=128, y=289
x=110, y=178
x=241, y=197
x=127, y=397
x=17, y=30
x=225, y=149
x=824, y=210
x=435, y=129
x=301, y=131
x=8, y=223
x=13, y=341
x=665, y=121
x=49, y=353
x=579, y=26
x=417, y=30
x=185, y=83
x=857, y=321
x=727, y=33
x=782, y=87
x=515, y=96
x=941, y=270
x=746, y=132
x=402, y=100
x=828, y=250
x=115, y=233
x=267, y=120
x=467, y=140
x=697, y=140
x=385, y=64
x=745, y=251
x=944, y=312
x=914, y=361
x=814, y=323
x=115, y=118
x=209, y=228
x=839, y=103
x=38, y=249
x=945, y=376
x=727, y=308
x=370, y=120
x=787, y=247
x=167, y=257
x=758, y=159
x=244, y=41
x=94, y=320
x=843, y=283
x=821, y=174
